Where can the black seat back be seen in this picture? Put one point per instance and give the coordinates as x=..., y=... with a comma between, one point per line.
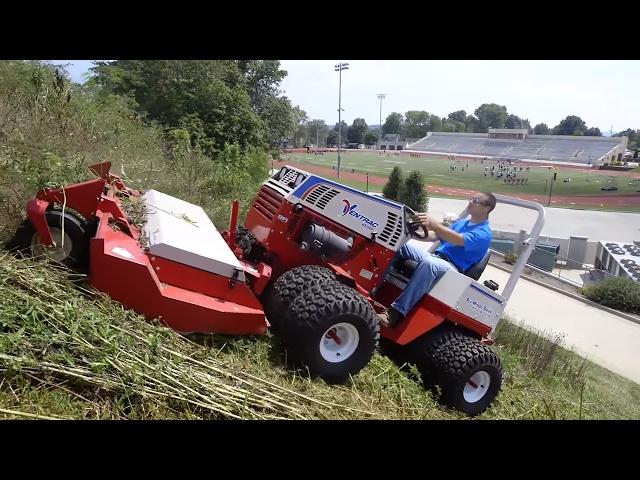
x=475, y=271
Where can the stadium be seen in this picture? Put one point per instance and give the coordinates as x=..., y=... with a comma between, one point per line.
x=517, y=144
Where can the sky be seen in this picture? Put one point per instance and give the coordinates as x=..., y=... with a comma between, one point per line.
x=604, y=93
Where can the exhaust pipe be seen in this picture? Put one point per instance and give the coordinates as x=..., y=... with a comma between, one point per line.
x=324, y=242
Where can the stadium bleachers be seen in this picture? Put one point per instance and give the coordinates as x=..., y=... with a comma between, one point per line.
x=543, y=147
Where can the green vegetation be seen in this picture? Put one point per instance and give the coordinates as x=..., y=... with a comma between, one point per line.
x=619, y=293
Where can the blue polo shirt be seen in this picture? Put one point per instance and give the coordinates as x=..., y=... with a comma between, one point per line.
x=477, y=240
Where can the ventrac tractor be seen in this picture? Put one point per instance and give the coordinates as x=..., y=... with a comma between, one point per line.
x=314, y=263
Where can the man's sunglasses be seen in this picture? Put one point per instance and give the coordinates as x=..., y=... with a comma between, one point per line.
x=478, y=201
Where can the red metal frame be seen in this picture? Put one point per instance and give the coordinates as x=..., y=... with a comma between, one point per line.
x=233, y=224
x=184, y=298
x=273, y=221
x=188, y=299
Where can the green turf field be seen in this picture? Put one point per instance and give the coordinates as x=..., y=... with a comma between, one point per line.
x=437, y=171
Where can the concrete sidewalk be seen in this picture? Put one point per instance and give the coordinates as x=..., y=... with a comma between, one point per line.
x=603, y=338
x=560, y=222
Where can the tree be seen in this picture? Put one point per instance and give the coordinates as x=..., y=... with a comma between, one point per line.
x=345, y=127
x=237, y=102
x=435, y=123
x=318, y=131
x=593, y=132
x=357, y=131
x=571, y=125
x=413, y=193
x=453, y=126
x=393, y=123
x=262, y=79
x=541, y=129
x=514, y=121
x=300, y=132
x=416, y=123
x=393, y=189
x=343, y=132
x=458, y=116
x=491, y=115
x=371, y=138
x=631, y=134
x=472, y=124
x=332, y=138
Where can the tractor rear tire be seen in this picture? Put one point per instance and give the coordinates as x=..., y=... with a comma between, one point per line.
x=332, y=331
x=74, y=253
x=281, y=293
x=468, y=373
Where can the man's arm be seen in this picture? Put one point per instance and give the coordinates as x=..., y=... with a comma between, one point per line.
x=442, y=232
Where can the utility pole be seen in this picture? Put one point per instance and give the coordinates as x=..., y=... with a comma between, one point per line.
x=338, y=68
x=381, y=96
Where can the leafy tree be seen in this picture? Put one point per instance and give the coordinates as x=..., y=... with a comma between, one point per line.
x=357, y=131
x=371, y=138
x=416, y=123
x=571, y=125
x=393, y=189
x=541, y=129
x=236, y=102
x=458, y=116
x=491, y=115
x=413, y=193
x=393, y=123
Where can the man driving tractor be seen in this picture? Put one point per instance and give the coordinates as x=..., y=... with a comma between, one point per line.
x=464, y=244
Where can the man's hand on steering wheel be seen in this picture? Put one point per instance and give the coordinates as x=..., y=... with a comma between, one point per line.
x=420, y=220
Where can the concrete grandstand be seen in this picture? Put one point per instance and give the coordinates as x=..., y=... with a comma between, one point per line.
x=518, y=144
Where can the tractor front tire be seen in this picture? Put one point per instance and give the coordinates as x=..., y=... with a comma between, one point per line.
x=468, y=373
x=332, y=331
x=280, y=294
x=73, y=252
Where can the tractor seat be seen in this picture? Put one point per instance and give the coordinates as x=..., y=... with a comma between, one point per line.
x=408, y=267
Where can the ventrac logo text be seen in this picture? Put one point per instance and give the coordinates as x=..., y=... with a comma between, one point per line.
x=352, y=210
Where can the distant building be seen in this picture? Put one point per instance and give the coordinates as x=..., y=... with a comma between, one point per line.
x=392, y=141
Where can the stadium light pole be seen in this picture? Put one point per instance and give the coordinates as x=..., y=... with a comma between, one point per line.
x=551, y=180
x=338, y=68
x=381, y=96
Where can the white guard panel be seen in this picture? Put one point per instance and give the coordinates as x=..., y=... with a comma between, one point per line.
x=469, y=297
x=182, y=232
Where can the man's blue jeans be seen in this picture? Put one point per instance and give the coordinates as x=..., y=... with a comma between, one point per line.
x=430, y=268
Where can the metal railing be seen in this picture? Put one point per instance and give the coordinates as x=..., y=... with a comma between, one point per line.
x=579, y=277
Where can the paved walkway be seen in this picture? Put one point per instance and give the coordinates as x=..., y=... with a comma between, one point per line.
x=560, y=222
x=603, y=338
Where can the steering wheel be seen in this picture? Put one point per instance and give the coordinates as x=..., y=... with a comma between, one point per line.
x=414, y=226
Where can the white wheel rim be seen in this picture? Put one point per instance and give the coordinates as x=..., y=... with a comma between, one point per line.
x=57, y=253
x=477, y=386
x=339, y=342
